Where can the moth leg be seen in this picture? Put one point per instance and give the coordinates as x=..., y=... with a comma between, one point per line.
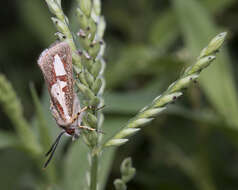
x=75, y=117
x=90, y=129
x=87, y=128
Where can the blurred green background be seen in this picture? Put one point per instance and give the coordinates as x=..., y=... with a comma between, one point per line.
x=193, y=145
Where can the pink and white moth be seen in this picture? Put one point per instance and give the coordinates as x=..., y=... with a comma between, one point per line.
x=56, y=66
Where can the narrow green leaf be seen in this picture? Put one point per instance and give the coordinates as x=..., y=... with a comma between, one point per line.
x=8, y=139
x=165, y=28
x=42, y=125
x=12, y=107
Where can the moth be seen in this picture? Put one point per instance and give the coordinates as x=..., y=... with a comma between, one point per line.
x=56, y=66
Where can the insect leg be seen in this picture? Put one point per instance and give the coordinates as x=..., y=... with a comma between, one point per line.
x=90, y=129
x=75, y=117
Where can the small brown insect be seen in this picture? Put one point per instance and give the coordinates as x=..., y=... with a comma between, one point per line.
x=56, y=66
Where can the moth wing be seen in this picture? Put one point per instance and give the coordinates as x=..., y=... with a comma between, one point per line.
x=56, y=115
x=56, y=65
x=59, y=97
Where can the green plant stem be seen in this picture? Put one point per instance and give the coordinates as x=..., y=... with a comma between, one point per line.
x=94, y=171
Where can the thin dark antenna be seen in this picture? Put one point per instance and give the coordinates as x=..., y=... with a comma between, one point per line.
x=52, y=146
x=52, y=149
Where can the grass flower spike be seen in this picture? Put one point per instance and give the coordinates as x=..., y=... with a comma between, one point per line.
x=174, y=91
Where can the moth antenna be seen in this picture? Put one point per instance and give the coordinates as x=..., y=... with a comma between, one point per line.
x=52, y=149
x=52, y=146
x=51, y=156
x=75, y=117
